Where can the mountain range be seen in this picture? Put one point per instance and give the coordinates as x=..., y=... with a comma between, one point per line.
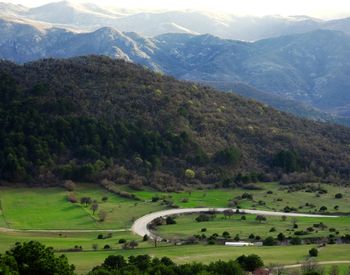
x=90, y=17
x=309, y=69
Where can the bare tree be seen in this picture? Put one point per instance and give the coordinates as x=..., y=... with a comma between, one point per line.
x=94, y=207
x=102, y=215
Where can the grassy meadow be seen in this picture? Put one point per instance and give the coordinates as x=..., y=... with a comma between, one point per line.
x=187, y=226
x=276, y=201
x=26, y=209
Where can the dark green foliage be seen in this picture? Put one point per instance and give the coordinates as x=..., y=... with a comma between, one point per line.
x=203, y=218
x=34, y=258
x=250, y=262
x=295, y=241
x=228, y=156
x=85, y=118
x=313, y=252
x=144, y=264
x=338, y=196
x=170, y=220
x=287, y=160
x=269, y=241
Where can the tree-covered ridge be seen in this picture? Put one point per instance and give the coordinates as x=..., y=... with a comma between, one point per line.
x=91, y=118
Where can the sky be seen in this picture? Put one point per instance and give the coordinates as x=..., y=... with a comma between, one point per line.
x=316, y=8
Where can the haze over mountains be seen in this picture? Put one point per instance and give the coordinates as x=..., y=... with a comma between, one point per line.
x=90, y=17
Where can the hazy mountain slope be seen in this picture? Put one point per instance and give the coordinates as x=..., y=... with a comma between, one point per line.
x=278, y=102
x=84, y=118
x=90, y=17
x=311, y=67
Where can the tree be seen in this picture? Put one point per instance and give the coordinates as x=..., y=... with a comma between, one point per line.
x=323, y=208
x=287, y=160
x=269, y=241
x=34, y=258
x=69, y=185
x=170, y=220
x=313, y=252
x=203, y=218
x=228, y=213
x=260, y=218
x=94, y=207
x=338, y=196
x=113, y=262
x=281, y=237
x=250, y=262
x=228, y=156
x=190, y=174
x=295, y=241
x=102, y=215
x=86, y=201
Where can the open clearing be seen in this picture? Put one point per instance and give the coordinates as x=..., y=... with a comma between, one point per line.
x=187, y=226
x=276, y=201
x=48, y=208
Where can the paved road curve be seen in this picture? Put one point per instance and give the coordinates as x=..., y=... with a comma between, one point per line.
x=140, y=225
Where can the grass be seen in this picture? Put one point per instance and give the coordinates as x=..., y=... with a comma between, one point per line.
x=187, y=226
x=276, y=201
x=209, y=253
x=48, y=208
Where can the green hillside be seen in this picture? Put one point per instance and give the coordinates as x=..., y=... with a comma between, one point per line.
x=94, y=118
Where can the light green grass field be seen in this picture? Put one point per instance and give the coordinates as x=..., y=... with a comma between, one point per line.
x=221, y=197
x=187, y=226
x=208, y=253
x=48, y=208
x=38, y=208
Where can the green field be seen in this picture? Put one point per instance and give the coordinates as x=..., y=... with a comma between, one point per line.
x=276, y=201
x=187, y=226
x=208, y=253
x=48, y=208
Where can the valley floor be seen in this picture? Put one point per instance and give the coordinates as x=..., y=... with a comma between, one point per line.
x=46, y=215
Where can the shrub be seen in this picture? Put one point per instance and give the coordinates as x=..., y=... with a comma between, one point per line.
x=190, y=174
x=323, y=208
x=338, y=196
x=295, y=241
x=269, y=241
x=170, y=220
x=72, y=198
x=203, y=218
x=69, y=185
x=104, y=198
x=203, y=230
x=122, y=241
x=313, y=252
x=155, y=199
x=145, y=238
x=102, y=215
x=100, y=236
x=250, y=262
x=107, y=247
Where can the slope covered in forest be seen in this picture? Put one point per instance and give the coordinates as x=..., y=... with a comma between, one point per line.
x=94, y=118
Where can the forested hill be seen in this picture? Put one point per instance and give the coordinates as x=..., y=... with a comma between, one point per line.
x=94, y=118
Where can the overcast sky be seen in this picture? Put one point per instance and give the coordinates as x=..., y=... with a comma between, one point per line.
x=317, y=8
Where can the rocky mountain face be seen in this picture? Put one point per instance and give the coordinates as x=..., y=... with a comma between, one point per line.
x=90, y=17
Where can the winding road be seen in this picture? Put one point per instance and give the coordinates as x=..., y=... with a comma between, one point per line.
x=140, y=226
